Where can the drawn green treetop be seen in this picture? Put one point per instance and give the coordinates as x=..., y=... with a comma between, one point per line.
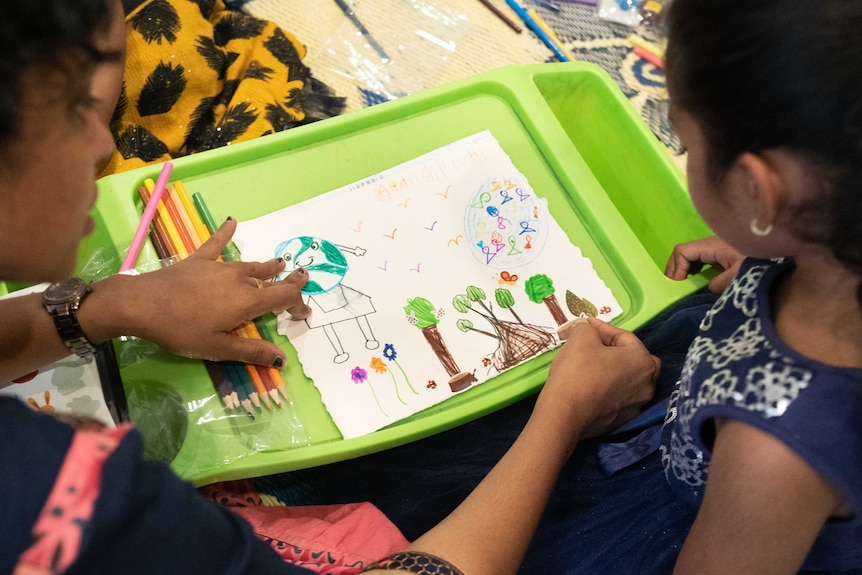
x=425, y=316
x=540, y=289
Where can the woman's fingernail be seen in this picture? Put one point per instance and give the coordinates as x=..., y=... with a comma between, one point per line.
x=280, y=260
x=278, y=362
x=230, y=218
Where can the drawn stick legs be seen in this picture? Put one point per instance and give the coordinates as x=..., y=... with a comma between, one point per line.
x=365, y=328
x=340, y=355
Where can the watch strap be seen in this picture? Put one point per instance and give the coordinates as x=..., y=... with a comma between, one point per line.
x=72, y=335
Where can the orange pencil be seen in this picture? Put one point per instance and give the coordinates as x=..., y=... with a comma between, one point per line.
x=279, y=382
x=275, y=374
x=178, y=223
x=184, y=216
x=254, y=370
x=270, y=386
x=265, y=372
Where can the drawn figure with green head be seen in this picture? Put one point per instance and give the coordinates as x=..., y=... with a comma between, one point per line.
x=331, y=301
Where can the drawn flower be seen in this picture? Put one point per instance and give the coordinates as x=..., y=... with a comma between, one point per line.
x=378, y=365
x=604, y=310
x=486, y=361
x=358, y=375
x=389, y=352
x=431, y=384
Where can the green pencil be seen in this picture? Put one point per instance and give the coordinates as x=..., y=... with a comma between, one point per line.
x=230, y=253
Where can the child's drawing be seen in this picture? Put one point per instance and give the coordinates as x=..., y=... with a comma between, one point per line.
x=540, y=289
x=331, y=301
x=516, y=341
x=420, y=313
x=461, y=215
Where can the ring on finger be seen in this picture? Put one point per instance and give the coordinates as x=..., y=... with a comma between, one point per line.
x=258, y=283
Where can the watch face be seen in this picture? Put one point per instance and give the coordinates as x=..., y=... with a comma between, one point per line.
x=66, y=291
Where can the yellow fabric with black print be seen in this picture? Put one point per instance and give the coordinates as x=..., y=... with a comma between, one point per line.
x=199, y=76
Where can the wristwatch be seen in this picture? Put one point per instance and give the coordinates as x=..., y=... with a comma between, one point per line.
x=62, y=301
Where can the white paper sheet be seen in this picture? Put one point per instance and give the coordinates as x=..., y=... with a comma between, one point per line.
x=427, y=291
x=71, y=385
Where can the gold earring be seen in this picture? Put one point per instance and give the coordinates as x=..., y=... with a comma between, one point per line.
x=758, y=231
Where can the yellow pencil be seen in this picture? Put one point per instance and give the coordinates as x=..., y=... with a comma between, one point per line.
x=650, y=47
x=182, y=253
x=550, y=33
x=195, y=218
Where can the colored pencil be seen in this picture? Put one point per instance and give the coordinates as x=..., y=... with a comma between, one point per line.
x=170, y=227
x=648, y=56
x=348, y=11
x=551, y=34
x=254, y=371
x=274, y=373
x=222, y=385
x=251, y=384
x=236, y=371
x=146, y=219
x=185, y=238
x=188, y=205
x=537, y=30
x=655, y=49
x=499, y=14
x=159, y=228
x=185, y=217
x=230, y=253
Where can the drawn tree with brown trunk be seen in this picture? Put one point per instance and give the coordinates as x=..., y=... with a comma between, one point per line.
x=506, y=300
x=540, y=289
x=421, y=313
x=517, y=342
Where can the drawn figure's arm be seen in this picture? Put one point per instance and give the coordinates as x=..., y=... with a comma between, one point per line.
x=356, y=250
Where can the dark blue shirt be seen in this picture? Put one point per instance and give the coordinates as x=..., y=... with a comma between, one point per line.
x=739, y=368
x=146, y=520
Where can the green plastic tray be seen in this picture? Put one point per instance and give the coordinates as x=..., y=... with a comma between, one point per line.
x=610, y=184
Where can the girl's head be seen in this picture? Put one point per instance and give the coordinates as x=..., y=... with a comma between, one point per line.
x=53, y=132
x=758, y=77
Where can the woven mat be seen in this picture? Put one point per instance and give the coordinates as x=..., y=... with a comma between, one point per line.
x=431, y=43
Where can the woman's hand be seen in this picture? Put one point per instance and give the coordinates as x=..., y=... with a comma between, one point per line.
x=690, y=257
x=191, y=307
x=600, y=378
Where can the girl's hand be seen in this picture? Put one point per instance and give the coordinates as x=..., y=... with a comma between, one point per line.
x=690, y=257
x=601, y=378
x=191, y=307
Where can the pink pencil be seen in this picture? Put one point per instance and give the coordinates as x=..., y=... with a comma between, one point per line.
x=147, y=218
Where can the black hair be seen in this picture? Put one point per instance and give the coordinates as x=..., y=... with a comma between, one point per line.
x=36, y=32
x=768, y=74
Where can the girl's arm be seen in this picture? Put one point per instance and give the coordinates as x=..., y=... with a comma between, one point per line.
x=689, y=258
x=762, y=509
